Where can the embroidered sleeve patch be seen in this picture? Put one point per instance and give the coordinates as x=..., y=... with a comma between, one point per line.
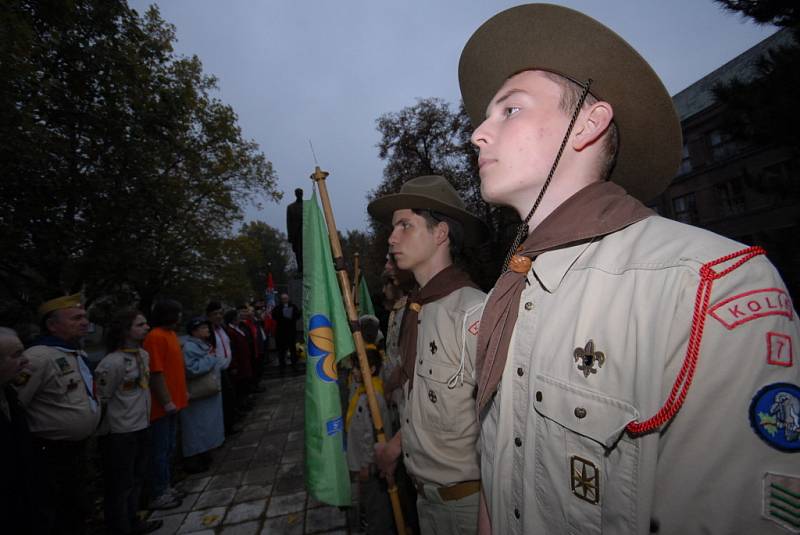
x=747, y=306
x=782, y=501
x=775, y=416
x=474, y=328
x=779, y=349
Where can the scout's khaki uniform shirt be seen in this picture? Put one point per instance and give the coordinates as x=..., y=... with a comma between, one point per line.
x=126, y=394
x=555, y=456
x=55, y=395
x=439, y=428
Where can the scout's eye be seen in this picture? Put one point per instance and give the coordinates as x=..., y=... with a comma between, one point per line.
x=509, y=111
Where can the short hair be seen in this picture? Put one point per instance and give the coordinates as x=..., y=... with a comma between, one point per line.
x=571, y=93
x=166, y=312
x=298, y=193
x=120, y=325
x=213, y=306
x=370, y=326
x=8, y=331
x=455, y=228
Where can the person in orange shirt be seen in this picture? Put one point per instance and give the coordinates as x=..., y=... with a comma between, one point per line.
x=168, y=389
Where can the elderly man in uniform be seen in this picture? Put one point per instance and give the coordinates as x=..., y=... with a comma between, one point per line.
x=632, y=369
x=19, y=484
x=438, y=426
x=56, y=389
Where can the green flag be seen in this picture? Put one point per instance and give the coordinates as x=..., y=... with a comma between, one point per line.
x=328, y=340
x=364, y=300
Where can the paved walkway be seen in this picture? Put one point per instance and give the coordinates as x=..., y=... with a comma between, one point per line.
x=256, y=483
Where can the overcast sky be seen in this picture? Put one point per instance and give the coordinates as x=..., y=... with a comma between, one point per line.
x=325, y=70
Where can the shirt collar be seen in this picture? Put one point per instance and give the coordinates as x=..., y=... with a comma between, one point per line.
x=551, y=267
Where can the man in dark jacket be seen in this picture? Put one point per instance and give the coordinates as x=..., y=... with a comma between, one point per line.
x=286, y=315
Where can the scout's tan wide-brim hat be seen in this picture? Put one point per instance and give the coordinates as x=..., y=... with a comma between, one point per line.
x=569, y=43
x=430, y=192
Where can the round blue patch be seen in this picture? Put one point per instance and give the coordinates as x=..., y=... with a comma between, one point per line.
x=775, y=416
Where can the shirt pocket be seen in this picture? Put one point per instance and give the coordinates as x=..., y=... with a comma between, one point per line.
x=439, y=405
x=72, y=387
x=585, y=467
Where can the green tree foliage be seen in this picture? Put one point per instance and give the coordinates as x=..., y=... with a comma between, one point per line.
x=763, y=109
x=431, y=138
x=122, y=174
x=271, y=253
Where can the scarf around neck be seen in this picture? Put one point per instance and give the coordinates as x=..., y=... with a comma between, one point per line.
x=597, y=210
x=441, y=285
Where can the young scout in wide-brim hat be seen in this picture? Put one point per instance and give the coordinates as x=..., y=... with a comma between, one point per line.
x=563, y=41
x=604, y=426
x=432, y=192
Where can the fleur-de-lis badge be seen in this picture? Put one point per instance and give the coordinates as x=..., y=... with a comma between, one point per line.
x=587, y=357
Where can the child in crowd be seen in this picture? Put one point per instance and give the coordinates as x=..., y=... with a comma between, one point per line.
x=373, y=499
x=123, y=382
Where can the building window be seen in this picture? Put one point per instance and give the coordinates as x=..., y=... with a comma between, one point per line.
x=686, y=161
x=730, y=195
x=722, y=145
x=685, y=208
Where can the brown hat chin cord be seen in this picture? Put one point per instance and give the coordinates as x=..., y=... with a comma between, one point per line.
x=522, y=230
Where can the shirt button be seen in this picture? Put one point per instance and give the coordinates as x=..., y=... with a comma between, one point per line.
x=516, y=512
x=407, y=421
x=520, y=372
x=407, y=455
x=539, y=396
x=529, y=305
x=518, y=442
x=580, y=412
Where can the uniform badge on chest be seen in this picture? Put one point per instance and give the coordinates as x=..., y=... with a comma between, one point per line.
x=781, y=500
x=584, y=479
x=587, y=359
x=433, y=347
x=63, y=366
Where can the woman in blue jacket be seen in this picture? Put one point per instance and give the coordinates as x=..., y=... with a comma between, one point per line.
x=201, y=422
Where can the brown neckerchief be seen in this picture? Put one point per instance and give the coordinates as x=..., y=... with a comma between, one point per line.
x=441, y=285
x=597, y=210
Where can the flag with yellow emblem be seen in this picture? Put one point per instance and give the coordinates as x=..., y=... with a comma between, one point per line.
x=328, y=340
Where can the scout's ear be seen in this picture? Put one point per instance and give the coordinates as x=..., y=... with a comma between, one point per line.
x=592, y=123
x=441, y=232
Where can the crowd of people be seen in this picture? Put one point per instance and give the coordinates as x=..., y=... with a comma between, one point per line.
x=153, y=390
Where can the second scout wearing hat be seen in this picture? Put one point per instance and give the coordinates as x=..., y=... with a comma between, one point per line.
x=565, y=42
x=431, y=192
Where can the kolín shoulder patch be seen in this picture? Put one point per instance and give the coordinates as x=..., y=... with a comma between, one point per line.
x=775, y=416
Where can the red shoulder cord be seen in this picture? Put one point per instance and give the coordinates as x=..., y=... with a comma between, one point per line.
x=684, y=379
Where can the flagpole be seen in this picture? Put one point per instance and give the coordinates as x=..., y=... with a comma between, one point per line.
x=344, y=284
x=356, y=277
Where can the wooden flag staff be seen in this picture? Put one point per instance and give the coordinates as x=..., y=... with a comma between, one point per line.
x=356, y=282
x=344, y=285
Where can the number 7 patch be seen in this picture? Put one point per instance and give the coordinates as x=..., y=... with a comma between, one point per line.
x=779, y=349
